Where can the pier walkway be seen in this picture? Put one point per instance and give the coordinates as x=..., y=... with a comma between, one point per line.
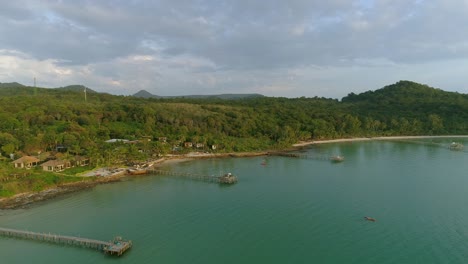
x=224, y=179
x=115, y=247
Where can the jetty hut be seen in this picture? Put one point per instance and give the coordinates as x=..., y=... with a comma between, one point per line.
x=337, y=158
x=228, y=178
x=456, y=146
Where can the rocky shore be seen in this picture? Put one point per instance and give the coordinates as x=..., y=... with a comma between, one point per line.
x=23, y=200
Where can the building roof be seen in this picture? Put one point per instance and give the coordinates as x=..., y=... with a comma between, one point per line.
x=53, y=163
x=80, y=158
x=26, y=159
x=116, y=140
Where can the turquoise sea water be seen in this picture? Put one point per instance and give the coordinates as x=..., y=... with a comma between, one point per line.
x=289, y=211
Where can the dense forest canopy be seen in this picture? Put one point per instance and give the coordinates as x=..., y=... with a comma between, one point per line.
x=38, y=120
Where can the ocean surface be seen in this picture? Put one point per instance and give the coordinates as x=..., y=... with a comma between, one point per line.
x=290, y=210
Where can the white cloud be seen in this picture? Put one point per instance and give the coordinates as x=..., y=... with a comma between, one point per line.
x=284, y=48
x=142, y=58
x=298, y=30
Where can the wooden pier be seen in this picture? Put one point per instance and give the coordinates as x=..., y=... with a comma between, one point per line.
x=307, y=156
x=114, y=247
x=227, y=178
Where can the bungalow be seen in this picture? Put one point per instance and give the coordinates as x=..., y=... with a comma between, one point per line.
x=53, y=165
x=162, y=139
x=188, y=144
x=81, y=161
x=26, y=162
x=199, y=145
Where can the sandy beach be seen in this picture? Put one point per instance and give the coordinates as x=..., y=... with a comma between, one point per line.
x=306, y=143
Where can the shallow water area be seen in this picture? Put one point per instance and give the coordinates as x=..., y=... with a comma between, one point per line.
x=282, y=210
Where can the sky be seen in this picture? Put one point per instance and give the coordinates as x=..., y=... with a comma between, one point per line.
x=276, y=48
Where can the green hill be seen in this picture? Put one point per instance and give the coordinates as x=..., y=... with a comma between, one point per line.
x=405, y=101
x=10, y=85
x=405, y=92
x=15, y=89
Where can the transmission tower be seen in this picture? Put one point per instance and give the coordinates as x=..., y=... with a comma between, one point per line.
x=35, y=88
x=85, y=95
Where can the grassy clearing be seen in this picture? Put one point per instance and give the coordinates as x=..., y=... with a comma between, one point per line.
x=14, y=181
x=77, y=170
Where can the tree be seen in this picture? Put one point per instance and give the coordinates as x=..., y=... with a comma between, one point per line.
x=9, y=148
x=436, y=124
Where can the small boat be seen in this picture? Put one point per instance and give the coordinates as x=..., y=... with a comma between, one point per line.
x=368, y=218
x=264, y=163
x=139, y=171
x=337, y=158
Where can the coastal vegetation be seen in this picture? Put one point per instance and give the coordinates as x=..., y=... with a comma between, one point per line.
x=61, y=123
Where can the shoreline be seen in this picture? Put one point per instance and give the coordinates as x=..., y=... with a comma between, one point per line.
x=341, y=140
x=23, y=200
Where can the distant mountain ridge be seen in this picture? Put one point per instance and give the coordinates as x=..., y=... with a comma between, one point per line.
x=12, y=84
x=406, y=92
x=76, y=88
x=15, y=88
x=146, y=94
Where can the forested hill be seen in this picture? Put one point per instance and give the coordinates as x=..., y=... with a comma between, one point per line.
x=13, y=84
x=406, y=104
x=15, y=89
x=38, y=119
x=405, y=92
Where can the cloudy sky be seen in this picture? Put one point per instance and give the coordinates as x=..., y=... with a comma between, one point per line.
x=284, y=48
